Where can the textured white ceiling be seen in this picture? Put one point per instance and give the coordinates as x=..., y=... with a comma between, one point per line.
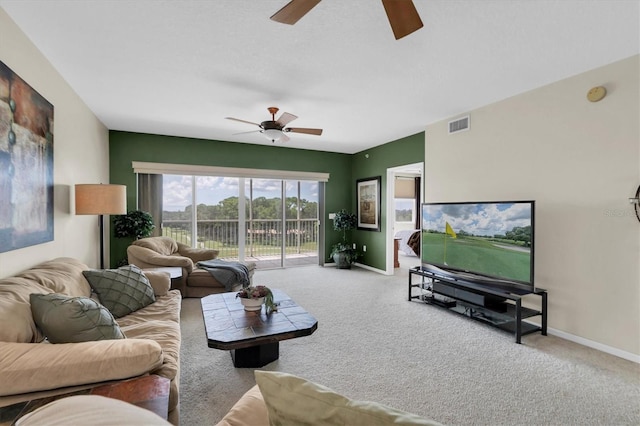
x=179, y=67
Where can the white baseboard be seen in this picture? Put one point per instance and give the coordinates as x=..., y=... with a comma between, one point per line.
x=369, y=268
x=564, y=335
x=595, y=345
x=359, y=265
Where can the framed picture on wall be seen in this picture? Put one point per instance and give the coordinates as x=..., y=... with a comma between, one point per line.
x=368, y=196
x=26, y=164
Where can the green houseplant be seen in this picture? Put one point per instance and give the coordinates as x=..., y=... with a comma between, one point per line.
x=343, y=253
x=134, y=225
x=137, y=224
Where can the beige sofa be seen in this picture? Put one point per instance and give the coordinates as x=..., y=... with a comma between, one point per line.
x=277, y=399
x=155, y=252
x=31, y=367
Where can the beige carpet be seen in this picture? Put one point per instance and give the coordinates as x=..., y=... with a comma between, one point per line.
x=373, y=344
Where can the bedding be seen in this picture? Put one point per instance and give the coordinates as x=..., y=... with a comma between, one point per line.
x=409, y=242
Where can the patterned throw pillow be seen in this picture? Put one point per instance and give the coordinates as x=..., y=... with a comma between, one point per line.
x=292, y=400
x=123, y=290
x=65, y=319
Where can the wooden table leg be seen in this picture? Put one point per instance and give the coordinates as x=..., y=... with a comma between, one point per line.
x=396, y=242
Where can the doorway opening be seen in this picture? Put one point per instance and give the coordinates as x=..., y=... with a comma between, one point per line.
x=405, y=189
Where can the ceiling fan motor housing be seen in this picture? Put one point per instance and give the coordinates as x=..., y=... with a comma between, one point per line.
x=270, y=125
x=272, y=130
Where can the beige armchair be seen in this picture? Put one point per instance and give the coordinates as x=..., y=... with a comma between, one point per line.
x=157, y=252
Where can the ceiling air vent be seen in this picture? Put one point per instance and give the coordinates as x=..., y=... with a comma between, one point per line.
x=459, y=125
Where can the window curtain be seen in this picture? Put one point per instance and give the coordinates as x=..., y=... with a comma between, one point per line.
x=322, y=222
x=417, y=183
x=150, y=199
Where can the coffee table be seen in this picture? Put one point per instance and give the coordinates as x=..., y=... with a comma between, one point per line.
x=253, y=337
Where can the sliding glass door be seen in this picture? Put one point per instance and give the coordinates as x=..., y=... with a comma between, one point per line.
x=217, y=213
x=264, y=227
x=177, y=203
x=270, y=221
x=301, y=215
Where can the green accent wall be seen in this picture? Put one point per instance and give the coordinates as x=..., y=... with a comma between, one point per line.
x=408, y=150
x=344, y=170
x=126, y=147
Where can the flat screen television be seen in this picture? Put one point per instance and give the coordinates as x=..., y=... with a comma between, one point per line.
x=490, y=243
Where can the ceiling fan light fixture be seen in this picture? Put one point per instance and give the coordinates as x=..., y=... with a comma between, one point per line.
x=273, y=135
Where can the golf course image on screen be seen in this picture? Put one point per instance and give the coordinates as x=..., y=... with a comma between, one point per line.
x=492, y=239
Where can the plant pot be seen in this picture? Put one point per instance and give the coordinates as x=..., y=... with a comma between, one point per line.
x=341, y=261
x=251, y=305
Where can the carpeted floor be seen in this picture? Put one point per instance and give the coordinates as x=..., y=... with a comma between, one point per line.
x=373, y=344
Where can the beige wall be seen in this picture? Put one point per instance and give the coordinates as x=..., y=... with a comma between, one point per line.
x=80, y=149
x=580, y=161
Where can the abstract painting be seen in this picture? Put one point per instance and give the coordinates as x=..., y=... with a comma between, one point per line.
x=26, y=164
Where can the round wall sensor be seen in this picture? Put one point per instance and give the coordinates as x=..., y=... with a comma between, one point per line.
x=596, y=94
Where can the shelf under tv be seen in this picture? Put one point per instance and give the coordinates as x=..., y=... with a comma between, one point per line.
x=498, y=308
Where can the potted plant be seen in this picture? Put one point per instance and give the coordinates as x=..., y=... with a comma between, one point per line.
x=253, y=297
x=134, y=225
x=137, y=224
x=343, y=253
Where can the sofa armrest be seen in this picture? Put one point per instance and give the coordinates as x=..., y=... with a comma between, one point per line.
x=250, y=409
x=92, y=410
x=159, y=280
x=32, y=367
x=143, y=257
x=196, y=255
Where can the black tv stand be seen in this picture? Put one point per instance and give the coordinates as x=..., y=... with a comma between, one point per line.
x=498, y=307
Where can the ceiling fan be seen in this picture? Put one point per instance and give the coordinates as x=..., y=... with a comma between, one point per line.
x=274, y=130
x=402, y=14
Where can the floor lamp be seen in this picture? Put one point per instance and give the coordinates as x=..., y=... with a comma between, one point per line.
x=99, y=199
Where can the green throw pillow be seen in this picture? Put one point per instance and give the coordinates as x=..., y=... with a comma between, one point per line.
x=123, y=290
x=292, y=400
x=65, y=319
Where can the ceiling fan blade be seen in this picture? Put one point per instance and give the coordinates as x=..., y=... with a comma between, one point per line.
x=293, y=11
x=284, y=138
x=244, y=133
x=317, y=132
x=242, y=121
x=285, y=119
x=403, y=17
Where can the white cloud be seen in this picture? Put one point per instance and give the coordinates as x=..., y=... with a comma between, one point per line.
x=211, y=190
x=479, y=219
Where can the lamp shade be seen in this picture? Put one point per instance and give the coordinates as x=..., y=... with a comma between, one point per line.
x=101, y=199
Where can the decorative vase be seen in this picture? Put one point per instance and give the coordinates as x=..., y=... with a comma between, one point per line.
x=251, y=305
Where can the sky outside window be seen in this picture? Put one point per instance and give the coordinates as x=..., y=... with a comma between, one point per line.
x=211, y=190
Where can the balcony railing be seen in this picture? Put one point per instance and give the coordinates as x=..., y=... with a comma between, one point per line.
x=263, y=237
